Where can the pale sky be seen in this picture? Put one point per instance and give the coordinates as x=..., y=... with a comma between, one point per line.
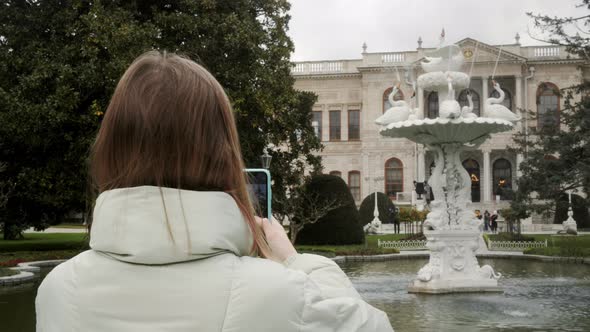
x=336, y=29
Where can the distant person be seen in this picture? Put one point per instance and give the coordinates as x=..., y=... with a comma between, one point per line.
x=494, y=221
x=486, y=220
x=175, y=245
x=394, y=220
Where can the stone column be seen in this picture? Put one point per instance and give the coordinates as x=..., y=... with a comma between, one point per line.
x=421, y=165
x=484, y=89
x=344, y=123
x=487, y=178
x=518, y=98
x=420, y=101
x=325, y=123
x=365, y=176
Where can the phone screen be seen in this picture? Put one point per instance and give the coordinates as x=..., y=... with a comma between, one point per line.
x=260, y=192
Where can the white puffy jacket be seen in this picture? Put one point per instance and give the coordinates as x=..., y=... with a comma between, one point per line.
x=195, y=276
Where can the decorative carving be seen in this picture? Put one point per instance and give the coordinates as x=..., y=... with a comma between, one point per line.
x=493, y=107
x=487, y=272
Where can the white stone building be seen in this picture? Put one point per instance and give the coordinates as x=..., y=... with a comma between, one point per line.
x=353, y=93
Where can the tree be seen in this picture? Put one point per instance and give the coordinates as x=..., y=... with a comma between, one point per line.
x=306, y=207
x=60, y=62
x=340, y=225
x=558, y=160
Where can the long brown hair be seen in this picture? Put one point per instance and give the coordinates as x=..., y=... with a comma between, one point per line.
x=170, y=124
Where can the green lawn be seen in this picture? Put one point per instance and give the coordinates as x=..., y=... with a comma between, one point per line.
x=557, y=245
x=44, y=246
x=45, y=242
x=75, y=226
x=370, y=248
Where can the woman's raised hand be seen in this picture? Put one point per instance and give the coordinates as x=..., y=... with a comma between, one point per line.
x=280, y=245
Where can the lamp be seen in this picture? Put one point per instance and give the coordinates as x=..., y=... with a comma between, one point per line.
x=265, y=158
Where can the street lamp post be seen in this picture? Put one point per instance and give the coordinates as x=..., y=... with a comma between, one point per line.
x=375, y=225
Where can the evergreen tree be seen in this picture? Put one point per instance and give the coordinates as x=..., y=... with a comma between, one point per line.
x=61, y=60
x=558, y=160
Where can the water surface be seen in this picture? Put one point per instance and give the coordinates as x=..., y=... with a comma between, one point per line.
x=538, y=296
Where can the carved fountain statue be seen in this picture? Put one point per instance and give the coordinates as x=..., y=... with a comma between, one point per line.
x=451, y=228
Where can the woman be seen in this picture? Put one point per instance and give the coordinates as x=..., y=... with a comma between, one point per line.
x=174, y=239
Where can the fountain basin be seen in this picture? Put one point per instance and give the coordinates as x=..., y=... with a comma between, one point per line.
x=453, y=267
x=446, y=131
x=538, y=296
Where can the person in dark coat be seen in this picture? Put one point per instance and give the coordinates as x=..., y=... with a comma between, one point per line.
x=393, y=219
x=494, y=222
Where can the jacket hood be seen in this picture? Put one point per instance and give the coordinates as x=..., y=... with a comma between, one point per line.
x=153, y=225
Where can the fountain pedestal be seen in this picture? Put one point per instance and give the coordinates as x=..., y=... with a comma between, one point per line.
x=451, y=228
x=453, y=267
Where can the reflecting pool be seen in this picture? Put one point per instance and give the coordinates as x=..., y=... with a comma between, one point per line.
x=538, y=296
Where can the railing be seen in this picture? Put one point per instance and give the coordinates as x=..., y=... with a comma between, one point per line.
x=402, y=245
x=318, y=67
x=516, y=245
x=546, y=51
x=393, y=57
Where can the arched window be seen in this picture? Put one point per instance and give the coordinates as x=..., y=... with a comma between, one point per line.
x=398, y=96
x=432, y=110
x=502, y=175
x=472, y=168
x=507, y=102
x=337, y=173
x=474, y=97
x=394, y=177
x=354, y=183
x=548, y=107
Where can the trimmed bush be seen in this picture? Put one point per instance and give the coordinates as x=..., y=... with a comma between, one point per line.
x=408, y=214
x=580, y=208
x=368, y=206
x=339, y=226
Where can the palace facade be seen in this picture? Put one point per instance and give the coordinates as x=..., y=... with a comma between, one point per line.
x=353, y=93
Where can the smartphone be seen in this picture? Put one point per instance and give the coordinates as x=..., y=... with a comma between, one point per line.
x=258, y=181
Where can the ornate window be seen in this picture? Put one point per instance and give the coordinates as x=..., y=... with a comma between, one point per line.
x=337, y=173
x=334, y=125
x=432, y=103
x=507, y=102
x=354, y=125
x=317, y=118
x=354, y=183
x=548, y=107
x=474, y=97
x=472, y=168
x=502, y=177
x=386, y=104
x=394, y=177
